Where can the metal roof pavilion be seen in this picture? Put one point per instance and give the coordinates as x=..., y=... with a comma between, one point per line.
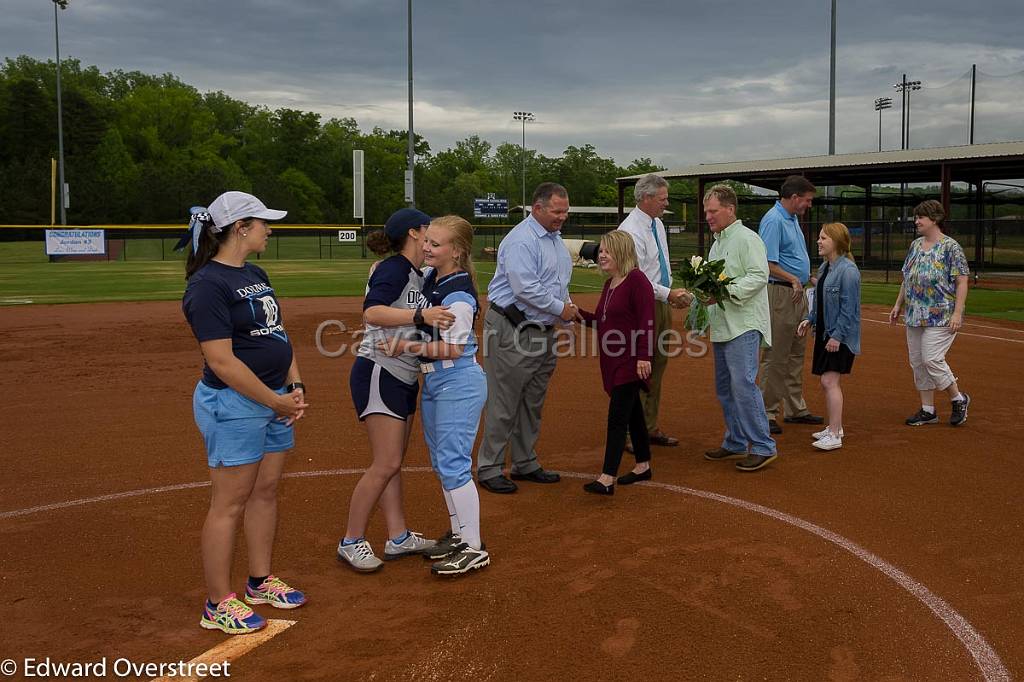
x=967, y=163
x=973, y=164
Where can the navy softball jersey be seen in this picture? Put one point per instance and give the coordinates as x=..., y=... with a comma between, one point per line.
x=238, y=303
x=394, y=283
x=455, y=290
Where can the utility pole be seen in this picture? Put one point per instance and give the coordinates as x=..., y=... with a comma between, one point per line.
x=832, y=89
x=974, y=85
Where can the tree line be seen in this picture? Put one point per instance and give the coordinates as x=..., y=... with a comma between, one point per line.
x=142, y=148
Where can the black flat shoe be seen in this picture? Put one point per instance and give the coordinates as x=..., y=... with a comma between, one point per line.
x=599, y=488
x=630, y=478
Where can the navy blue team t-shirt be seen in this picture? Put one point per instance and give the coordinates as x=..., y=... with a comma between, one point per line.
x=238, y=303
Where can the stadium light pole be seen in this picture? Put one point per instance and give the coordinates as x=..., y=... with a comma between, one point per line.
x=410, y=185
x=881, y=104
x=905, y=87
x=524, y=116
x=62, y=4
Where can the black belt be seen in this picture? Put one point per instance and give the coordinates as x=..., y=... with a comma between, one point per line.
x=517, y=318
x=780, y=283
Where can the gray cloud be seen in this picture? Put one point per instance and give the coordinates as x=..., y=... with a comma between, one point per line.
x=678, y=82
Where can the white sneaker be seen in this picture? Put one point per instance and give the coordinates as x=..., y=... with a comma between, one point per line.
x=829, y=442
x=414, y=544
x=360, y=556
x=464, y=561
x=818, y=435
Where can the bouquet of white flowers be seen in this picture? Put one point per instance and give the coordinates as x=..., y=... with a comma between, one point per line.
x=707, y=281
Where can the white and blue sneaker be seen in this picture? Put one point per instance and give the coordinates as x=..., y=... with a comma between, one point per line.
x=414, y=543
x=359, y=556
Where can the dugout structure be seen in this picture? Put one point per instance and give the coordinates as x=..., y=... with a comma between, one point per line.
x=871, y=202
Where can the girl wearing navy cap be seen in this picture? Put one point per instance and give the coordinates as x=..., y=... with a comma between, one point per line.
x=245, y=405
x=384, y=390
x=454, y=389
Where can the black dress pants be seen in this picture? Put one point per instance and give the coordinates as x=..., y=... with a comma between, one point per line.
x=625, y=414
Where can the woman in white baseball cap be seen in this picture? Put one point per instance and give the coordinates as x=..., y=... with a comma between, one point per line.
x=249, y=397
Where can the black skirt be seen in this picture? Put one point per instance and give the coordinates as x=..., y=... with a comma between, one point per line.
x=842, y=360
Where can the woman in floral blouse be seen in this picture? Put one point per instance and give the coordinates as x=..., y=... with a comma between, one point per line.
x=934, y=291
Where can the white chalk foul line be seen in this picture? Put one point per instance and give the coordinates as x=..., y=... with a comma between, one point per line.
x=101, y=498
x=233, y=648
x=960, y=333
x=985, y=657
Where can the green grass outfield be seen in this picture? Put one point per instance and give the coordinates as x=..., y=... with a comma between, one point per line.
x=99, y=281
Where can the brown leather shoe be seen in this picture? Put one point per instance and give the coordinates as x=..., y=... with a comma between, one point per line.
x=659, y=438
x=719, y=454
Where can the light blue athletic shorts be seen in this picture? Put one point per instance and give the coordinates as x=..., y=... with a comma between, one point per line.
x=237, y=430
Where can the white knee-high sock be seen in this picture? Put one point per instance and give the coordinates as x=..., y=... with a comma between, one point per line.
x=453, y=518
x=467, y=508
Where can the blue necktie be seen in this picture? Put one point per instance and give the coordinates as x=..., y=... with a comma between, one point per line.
x=665, y=279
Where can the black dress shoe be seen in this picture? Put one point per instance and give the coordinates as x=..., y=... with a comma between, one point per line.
x=774, y=427
x=660, y=438
x=499, y=484
x=630, y=478
x=538, y=476
x=599, y=488
x=805, y=419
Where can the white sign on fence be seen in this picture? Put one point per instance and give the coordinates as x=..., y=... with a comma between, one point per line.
x=75, y=243
x=347, y=236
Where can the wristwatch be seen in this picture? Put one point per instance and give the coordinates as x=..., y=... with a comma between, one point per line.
x=294, y=385
x=417, y=317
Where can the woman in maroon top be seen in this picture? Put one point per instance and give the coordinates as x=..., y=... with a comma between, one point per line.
x=625, y=325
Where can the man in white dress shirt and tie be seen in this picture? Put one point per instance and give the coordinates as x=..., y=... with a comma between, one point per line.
x=644, y=224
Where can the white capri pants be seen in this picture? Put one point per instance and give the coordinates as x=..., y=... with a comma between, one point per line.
x=928, y=347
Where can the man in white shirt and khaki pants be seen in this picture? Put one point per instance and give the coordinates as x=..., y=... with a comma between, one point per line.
x=644, y=224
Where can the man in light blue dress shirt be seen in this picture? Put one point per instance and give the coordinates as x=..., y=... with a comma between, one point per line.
x=789, y=268
x=528, y=300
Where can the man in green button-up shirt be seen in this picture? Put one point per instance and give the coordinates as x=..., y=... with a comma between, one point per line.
x=739, y=328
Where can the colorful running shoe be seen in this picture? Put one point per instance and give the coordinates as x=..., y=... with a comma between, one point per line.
x=232, y=616
x=275, y=592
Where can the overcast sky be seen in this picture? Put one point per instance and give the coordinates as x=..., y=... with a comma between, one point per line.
x=679, y=82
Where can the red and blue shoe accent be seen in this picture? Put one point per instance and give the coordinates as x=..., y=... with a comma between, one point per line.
x=275, y=592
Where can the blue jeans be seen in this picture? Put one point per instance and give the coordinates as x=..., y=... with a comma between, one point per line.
x=746, y=423
x=451, y=406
